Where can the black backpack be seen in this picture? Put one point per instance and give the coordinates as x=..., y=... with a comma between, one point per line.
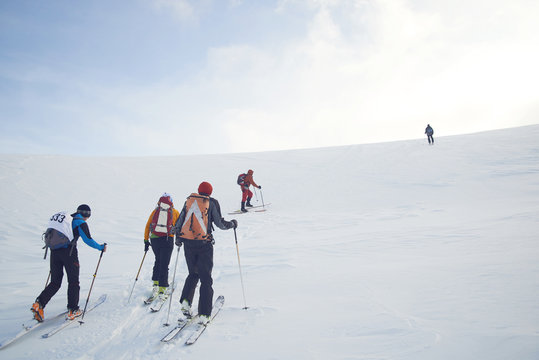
x=241, y=178
x=53, y=238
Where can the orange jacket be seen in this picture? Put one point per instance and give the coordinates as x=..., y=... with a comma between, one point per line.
x=175, y=216
x=248, y=180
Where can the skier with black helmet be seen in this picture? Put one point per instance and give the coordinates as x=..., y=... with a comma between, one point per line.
x=67, y=257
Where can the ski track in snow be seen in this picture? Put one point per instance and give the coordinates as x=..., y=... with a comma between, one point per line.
x=383, y=251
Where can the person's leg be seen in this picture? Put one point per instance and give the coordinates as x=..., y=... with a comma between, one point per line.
x=156, y=248
x=164, y=254
x=71, y=264
x=191, y=281
x=57, y=274
x=205, y=267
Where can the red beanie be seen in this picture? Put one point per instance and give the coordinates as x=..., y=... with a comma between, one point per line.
x=205, y=188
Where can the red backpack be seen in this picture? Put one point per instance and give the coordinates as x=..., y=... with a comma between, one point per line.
x=162, y=217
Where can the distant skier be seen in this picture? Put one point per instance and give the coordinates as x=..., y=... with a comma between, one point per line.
x=66, y=257
x=429, y=131
x=158, y=231
x=194, y=229
x=244, y=181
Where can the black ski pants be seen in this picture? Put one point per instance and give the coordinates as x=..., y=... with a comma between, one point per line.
x=200, y=264
x=60, y=259
x=430, y=138
x=162, y=248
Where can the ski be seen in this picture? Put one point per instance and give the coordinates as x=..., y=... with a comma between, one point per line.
x=158, y=305
x=182, y=324
x=68, y=322
x=150, y=299
x=258, y=206
x=239, y=212
x=28, y=328
x=160, y=302
x=217, y=306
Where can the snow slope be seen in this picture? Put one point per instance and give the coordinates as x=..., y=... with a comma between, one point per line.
x=384, y=251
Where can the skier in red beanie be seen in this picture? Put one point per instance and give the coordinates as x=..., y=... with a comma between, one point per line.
x=194, y=230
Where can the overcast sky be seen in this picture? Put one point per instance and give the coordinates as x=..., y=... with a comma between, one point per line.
x=170, y=77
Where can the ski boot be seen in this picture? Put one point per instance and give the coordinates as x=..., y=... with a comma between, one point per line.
x=73, y=314
x=186, y=309
x=243, y=209
x=163, y=294
x=203, y=319
x=155, y=289
x=37, y=309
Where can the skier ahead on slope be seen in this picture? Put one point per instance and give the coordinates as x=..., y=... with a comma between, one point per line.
x=158, y=231
x=244, y=181
x=194, y=229
x=429, y=131
x=67, y=257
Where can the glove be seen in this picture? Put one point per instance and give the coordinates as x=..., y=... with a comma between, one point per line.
x=260, y=187
x=146, y=245
x=178, y=241
x=234, y=223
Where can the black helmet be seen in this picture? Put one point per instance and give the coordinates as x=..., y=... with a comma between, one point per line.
x=84, y=210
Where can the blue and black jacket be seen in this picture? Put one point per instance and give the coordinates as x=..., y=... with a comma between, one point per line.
x=80, y=229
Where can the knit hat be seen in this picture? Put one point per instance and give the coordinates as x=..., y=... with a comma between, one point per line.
x=250, y=172
x=205, y=188
x=84, y=210
x=167, y=195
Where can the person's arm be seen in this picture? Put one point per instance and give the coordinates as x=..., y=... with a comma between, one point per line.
x=175, y=218
x=252, y=181
x=177, y=228
x=147, y=229
x=84, y=233
x=217, y=218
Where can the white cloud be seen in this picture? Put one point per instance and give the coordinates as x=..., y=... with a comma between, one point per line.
x=365, y=71
x=412, y=68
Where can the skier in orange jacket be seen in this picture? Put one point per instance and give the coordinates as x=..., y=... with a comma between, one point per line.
x=244, y=181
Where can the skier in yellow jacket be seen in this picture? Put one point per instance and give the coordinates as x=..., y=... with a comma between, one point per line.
x=158, y=234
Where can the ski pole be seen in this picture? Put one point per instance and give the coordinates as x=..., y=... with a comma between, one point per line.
x=173, y=286
x=262, y=197
x=92, y=285
x=136, y=279
x=239, y=265
x=256, y=196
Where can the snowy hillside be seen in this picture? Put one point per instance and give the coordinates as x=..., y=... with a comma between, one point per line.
x=385, y=251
